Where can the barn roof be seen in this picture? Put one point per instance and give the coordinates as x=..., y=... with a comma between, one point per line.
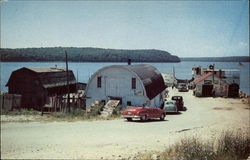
x=151, y=78
x=48, y=77
x=47, y=69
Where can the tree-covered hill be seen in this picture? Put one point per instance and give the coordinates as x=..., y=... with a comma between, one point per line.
x=85, y=55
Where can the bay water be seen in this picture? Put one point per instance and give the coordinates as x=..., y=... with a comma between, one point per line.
x=84, y=70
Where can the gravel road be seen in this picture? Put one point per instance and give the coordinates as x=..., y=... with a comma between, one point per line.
x=116, y=139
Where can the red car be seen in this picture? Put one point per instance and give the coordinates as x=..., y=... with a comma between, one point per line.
x=143, y=113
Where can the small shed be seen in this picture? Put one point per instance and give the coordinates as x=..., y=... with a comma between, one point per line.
x=37, y=84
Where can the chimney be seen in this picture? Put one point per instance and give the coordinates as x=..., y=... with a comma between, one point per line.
x=129, y=61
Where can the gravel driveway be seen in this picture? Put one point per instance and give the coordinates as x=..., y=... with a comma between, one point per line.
x=116, y=139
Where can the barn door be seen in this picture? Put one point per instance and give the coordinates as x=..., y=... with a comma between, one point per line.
x=113, y=87
x=233, y=90
x=207, y=90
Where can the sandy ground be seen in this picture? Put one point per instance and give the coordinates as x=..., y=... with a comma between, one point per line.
x=116, y=139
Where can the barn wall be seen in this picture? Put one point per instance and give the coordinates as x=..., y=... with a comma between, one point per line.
x=116, y=83
x=27, y=84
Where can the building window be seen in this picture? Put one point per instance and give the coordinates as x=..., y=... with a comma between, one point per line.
x=129, y=103
x=103, y=102
x=99, y=82
x=133, y=83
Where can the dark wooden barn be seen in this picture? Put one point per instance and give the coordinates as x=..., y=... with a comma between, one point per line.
x=37, y=84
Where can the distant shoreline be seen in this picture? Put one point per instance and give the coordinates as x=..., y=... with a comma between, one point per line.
x=218, y=59
x=182, y=60
x=126, y=62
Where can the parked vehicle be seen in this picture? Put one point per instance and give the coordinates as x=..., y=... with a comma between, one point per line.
x=143, y=113
x=170, y=106
x=179, y=102
x=182, y=87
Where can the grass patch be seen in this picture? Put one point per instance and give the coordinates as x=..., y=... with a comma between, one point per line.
x=20, y=112
x=75, y=115
x=229, y=146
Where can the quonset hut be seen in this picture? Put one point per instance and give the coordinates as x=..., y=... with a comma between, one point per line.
x=137, y=85
x=37, y=84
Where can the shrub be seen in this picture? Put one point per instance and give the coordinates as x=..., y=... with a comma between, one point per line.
x=234, y=145
x=229, y=146
x=117, y=111
x=190, y=149
x=96, y=109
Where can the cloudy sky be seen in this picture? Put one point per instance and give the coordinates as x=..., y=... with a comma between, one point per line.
x=183, y=28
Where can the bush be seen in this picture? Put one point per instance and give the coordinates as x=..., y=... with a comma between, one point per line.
x=234, y=145
x=96, y=109
x=229, y=146
x=117, y=111
x=190, y=149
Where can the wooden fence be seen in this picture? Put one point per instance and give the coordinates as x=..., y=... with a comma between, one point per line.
x=10, y=101
x=59, y=103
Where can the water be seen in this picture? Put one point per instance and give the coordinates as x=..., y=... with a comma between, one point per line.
x=83, y=71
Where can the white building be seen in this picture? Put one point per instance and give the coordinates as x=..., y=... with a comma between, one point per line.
x=136, y=85
x=169, y=79
x=221, y=82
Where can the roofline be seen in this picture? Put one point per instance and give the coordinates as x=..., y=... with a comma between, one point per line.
x=115, y=66
x=210, y=70
x=202, y=78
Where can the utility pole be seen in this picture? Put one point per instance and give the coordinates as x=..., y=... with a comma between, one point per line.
x=174, y=77
x=67, y=72
x=213, y=74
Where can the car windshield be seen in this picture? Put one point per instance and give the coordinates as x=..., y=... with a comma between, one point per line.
x=176, y=98
x=170, y=103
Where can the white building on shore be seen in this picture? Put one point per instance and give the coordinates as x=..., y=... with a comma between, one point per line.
x=169, y=79
x=137, y=85
x=216, y=82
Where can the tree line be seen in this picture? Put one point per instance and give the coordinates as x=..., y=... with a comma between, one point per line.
x=85, y=55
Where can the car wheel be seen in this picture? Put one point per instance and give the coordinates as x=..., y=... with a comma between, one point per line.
x=129, y=119
x=162, y=117
x=144, y=118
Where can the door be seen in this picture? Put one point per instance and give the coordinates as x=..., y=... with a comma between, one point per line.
x=233, y=90
x=207, y=90
x=113, y=86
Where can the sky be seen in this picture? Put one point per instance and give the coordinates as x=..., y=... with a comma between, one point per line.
x=183, y=28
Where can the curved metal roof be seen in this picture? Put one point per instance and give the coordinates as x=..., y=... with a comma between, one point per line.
x=151, y=78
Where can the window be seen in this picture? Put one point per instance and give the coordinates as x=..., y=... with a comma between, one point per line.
x=103, y=101
x=133, y=83
x=99, y=82
x=129, y=103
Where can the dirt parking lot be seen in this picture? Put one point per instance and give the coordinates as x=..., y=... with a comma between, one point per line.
x=116, y=139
